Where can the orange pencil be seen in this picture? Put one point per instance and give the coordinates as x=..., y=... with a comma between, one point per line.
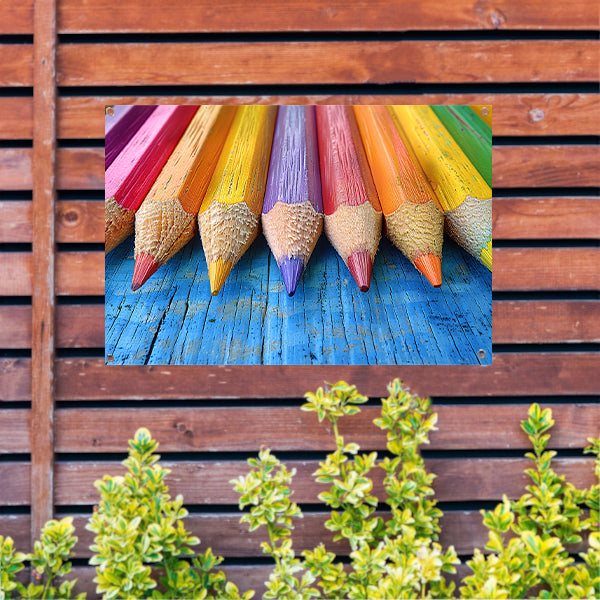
x=166, y=220
x=415, y=224
x=229, y=217
x=350, y=203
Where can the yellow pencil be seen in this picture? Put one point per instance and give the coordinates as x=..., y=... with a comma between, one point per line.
x=229, y=217
x=461, y=191
x=484, y=111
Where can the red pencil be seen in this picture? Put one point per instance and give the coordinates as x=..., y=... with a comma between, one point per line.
x=350, y=202
x=130, y=176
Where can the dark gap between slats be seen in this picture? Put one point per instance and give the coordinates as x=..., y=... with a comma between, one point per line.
x=526, y=348
x=562, y=140
x=10, y=92
x=15, y=353
x=16, y=195
x=80, y=247
x=15, y=300
x=16, y=143
x=584, y=192
x=296, y=403
x=559, y=295
x=16, y=38
x=15, y=457
x=550, y=243
x=16, y=247
x=323, y=36
x=526, y=87
x=14, y=405
x=15, y=510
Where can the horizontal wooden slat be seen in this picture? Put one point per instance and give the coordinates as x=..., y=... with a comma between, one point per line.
x=229, y=538
x=540, y=321
x=16, y=66
x=237, y=63
x=546, y=218
x=77, y=274
x=528, y=374
x=77, y=326
x=525, y=269
x=297, y=15
x=17, y=118
x=208, y=482
x=14, y=432
x=537, y=322
x=15, y=169
x=76, y=221
x=514, y=114
x=290, y=429
x=546, y=166
x=80, y=169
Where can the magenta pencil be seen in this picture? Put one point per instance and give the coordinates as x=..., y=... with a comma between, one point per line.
x=131, y=175
x=350, y=202
x=292, y=215
x=121, y=123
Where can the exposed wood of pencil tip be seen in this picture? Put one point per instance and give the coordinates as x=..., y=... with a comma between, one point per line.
x=229, y=216
x=166, y=220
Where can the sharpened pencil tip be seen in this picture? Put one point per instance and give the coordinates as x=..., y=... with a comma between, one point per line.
x=145, y=266
x=431, y=266
x=291, y=268
x=218, y=271
x=486, y=255
x=360, y=264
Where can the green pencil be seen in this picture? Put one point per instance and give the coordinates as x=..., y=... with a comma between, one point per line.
x=471, y=133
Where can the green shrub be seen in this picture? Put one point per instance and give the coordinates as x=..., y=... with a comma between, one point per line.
x=400, y=557
x=141, y=548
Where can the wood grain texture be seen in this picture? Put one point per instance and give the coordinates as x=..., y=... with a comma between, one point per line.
x=528, y=374
x=553, y=166
x=15, y=437
x=15, y=225
x=200, y=16
x=19, y=124
x=16, y=67
x=328, y=320
x=546, y=218
x=552, y=321
x=495, y=426
x=528, y=269
x=339, y=62
x=518, y=114
x=77, y=326
x=77, y=273
x=43, y=266
x=513, y=166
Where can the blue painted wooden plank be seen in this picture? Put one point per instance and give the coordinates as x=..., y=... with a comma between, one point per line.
x=173, y=319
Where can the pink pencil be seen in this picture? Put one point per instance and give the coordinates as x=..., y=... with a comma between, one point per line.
x=131, y=175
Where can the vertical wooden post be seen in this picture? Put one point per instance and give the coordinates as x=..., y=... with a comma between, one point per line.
x=42, y=346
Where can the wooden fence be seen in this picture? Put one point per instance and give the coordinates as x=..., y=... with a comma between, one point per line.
x=65, y=417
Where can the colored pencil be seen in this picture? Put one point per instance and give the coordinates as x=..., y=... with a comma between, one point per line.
x=166, y=220
x=472, y=134
x=462, y=193
x=229, y=217
x=484, y=111
x=350, y=202
x=131, y=175
x=414, y=222
x=292, y=214
x=120, y=125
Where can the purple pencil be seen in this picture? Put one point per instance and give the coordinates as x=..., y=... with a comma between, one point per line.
x=120, y=125
x=292, y=216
